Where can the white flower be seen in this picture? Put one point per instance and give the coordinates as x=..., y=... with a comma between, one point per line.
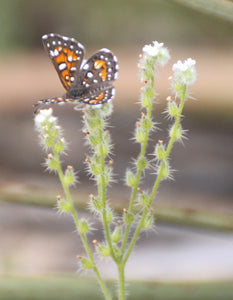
x=158, y=51
x=46, y=112
x=44, y=116
x=52, y=119
x=39, y=119
x=185, y=72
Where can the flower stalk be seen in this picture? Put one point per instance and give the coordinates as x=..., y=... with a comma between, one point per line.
x=117, y=244
x=46, y=124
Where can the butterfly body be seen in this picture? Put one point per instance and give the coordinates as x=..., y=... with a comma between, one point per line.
x=88, y=82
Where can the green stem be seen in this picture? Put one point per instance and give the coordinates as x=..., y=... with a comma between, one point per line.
x=82, y=235
x=102, y=189
x=121, y=273
x=138, y=176
x=158, y=179
x=177, y=122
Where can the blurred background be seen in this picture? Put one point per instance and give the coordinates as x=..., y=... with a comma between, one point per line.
x=35, y=240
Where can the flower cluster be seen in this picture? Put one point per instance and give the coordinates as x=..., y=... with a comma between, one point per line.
x=152, y=55
x=51, y=138
x=50, y=132
x=184, y=75
x=157, y=51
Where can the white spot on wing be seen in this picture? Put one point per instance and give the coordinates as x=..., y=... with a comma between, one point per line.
x=62, y=66
x=70, y=58
x=86, y=67
x=45, y=36
x=65, y=38
x=56, y=52
x=73, y=69
x=80, y=45
x=89, y=74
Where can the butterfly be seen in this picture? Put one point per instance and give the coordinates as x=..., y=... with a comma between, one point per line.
x=88, y=82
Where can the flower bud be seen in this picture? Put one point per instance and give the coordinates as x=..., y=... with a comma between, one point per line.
x=69, y=176
x=176, y=132
x=160, y=151
x=128, y=217
x=94, y=122
x=104, y=178
x=146, y=101
x=97, y=203
x=48, y=140
x=53, y=132
x=131, y=180
x=147, y=222
x=141, y=135
x=145, y=199
x=104, y=250
x=117, y=234
x=96, y=168
x=53, y=163
x=149, y=92
x=173, y=109
x=83, y=226
x=86, y=263
x=142, y=163
x=64, y=206
x=103, y=148
x=164, y=170
x=94, y=139
x=146, y=124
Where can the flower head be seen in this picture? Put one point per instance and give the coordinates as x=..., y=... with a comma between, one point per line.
x=156, y=51
x=43, y=117
x=185, y=72
x=49, y=132
x=152, y=55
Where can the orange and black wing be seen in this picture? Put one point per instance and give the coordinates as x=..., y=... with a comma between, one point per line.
x=67, y=56
x=100, y=69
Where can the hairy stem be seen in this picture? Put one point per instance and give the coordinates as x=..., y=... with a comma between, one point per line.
x=82, y=235
x=157, y=181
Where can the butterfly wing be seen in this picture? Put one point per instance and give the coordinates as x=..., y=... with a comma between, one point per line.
x=99, y=97
x=99, y=70
x=66, y=54
x=90, y=83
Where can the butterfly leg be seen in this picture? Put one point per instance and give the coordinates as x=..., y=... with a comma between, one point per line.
x=41, y=103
